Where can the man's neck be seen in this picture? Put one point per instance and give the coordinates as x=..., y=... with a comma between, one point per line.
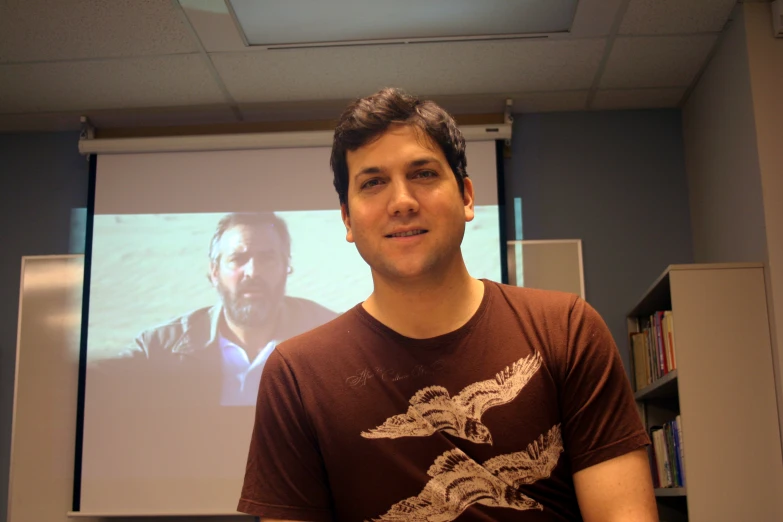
x=427, y=307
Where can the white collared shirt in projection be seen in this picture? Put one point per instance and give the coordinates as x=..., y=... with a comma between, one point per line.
x=240, y=375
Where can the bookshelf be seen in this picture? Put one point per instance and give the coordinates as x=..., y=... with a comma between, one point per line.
x=663, y=388
x=670, y=492
x=718, y=383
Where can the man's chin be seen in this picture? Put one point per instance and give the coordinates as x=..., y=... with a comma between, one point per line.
x=251, y=317
x=405, y=272
x=253, y=312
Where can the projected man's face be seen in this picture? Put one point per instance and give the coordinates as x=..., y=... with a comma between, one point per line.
x=250, y=274
x=405, y=211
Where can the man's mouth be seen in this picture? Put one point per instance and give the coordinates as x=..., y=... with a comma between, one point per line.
x=408, y=233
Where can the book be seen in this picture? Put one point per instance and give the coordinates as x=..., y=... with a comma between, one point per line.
x=680, y=450
x=662, y=459
x=666, y=455
x=670, y=452
x=640, y=362
x=663, y=365
x=653, y=348
x=653, y=466
x=669, y=318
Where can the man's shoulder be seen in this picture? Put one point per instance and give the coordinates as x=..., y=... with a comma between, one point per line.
x=321, y=339
x=175, y=327
x=536, y=298
x=306, y=306
x=300, y=315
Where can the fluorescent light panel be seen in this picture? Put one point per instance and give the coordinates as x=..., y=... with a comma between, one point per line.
x=302, y=22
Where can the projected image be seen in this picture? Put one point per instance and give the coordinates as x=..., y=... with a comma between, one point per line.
x=192, y=305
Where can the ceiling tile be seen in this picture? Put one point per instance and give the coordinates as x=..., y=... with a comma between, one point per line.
x=637, y=98
x=457, y=104
x=645, y=62
x=213, y=24
x=177, y=80
x=675, y=16
x=595, y=17
x=445, y=68
x=551, y=101
x=43, y=30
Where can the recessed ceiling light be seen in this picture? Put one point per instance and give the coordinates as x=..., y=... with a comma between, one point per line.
x=291, y=23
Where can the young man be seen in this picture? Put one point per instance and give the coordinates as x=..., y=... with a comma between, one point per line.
x=440, y=397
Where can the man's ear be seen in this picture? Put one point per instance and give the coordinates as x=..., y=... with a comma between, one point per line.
x=346, y=222
x=467, y=199
x=213, y=273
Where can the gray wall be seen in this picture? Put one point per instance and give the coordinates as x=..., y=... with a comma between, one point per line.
x=43, y=178
x=733, y=123
x=616, y=180
x=722, y=158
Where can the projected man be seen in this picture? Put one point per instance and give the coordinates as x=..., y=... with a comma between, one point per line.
x=217, y=353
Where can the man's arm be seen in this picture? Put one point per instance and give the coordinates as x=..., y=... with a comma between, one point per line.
x=285, y=474
x=602, y=427
x=617, y=490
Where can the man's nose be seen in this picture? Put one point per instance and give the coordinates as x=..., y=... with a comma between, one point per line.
x=402, y=200
x=250, y=267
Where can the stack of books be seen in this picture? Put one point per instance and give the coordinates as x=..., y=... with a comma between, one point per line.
x=666, y=458
x=653, y=348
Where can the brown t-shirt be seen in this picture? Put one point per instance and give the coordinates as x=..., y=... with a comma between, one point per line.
x=489, y=422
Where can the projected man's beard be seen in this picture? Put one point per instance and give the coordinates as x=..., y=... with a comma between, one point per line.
x=255, y=309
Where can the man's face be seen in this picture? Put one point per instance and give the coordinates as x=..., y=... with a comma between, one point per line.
x=251, y=273
x=401, y=184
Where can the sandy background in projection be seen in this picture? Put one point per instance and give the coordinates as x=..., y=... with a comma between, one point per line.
x=147, y=269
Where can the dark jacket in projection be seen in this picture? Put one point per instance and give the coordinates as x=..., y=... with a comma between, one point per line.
x=180, y=361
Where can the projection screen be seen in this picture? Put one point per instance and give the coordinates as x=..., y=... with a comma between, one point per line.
x=169, y=434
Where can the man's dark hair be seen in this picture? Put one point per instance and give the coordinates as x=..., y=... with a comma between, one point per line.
x=367, y=118
x=251, y=220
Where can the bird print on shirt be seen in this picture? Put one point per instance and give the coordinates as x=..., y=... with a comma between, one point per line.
x=432, y=409
x=459, y=482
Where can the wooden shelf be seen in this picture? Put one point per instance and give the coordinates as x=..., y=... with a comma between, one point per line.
x=670, y=492
x=663, y=388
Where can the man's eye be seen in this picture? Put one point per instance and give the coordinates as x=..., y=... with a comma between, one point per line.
x=427, y=174
x=238, y=259
x=371, y=183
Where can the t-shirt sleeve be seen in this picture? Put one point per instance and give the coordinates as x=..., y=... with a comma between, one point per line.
x=600, y=417
x=285, y=476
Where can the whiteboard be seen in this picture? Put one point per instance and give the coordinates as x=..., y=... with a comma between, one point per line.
x=552, y=264
x=43, y=431
x=45, y=389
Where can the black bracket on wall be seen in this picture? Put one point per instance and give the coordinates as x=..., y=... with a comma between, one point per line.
x=508, y=118
x=87, y=131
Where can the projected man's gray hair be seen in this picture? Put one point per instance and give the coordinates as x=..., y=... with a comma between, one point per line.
x=252, y=220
